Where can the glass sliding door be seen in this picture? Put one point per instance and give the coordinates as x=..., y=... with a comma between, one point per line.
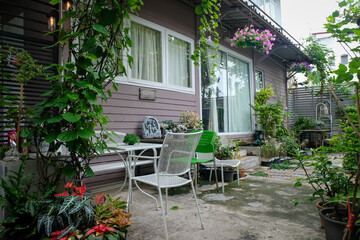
x=226, y=94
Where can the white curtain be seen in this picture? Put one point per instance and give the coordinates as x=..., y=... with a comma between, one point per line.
x=239, y=95
x=179, y=62
x=146, y=53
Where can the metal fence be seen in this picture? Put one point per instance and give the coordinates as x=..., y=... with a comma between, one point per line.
x=307, y=102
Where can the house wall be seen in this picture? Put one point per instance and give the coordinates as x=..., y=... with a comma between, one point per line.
x=127, y=111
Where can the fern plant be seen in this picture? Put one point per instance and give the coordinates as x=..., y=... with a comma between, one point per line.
x=18, y=224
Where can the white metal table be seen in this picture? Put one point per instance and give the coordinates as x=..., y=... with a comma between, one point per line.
x=131, y=160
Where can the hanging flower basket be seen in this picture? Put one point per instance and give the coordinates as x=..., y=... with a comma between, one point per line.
x=303, y=67
x=253, y=38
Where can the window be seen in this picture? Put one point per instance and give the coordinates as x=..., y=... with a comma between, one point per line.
x=332, y=61
x=161, y=57
x=146, y=53
x=179, y=64
x=344, y=59
x=226, y=97
x=259, y=80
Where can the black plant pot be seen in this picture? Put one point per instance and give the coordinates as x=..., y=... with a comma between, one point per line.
x=334, y=230
x=228, y=174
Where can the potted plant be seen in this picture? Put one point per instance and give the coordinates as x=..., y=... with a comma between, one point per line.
x=131, y=139
x=25, y=68
x=226, y=152
x=269, y=115
x=169, y=126
x=254, y=38
x=191, y=120
x=303, y=67
x=270, y=150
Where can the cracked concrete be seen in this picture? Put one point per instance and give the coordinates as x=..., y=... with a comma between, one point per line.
x=258, y=209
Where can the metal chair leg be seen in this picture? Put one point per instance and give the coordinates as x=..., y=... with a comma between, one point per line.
x=163, y=213
x=197, y=205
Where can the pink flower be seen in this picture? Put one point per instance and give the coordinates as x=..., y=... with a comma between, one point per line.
x=99, y=199
x=100, y=229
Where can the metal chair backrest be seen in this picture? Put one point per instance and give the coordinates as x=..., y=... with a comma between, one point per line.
x=205, y=144
x=177, y=152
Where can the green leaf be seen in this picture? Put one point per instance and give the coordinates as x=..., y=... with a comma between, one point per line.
x=101, y=29
x=55, y=119
x=68, y=202
x=79, y=205
x=48, y=222
x=335, y=14
x=69, y=171
x=86, y=133
x=92, y=57
x=50, y=138
x=53, y=2
x=70, y=66
x=89, y=44
x=174, y=208
x=89, y=172
x=67, y=136
x=73, y=96
x=47, y=93
x=298, y=184
x=198, y=10
x=91, y=97
x=71, y=117
x=342, y=4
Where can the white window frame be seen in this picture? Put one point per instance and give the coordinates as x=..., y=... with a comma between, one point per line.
x=165, y=84
x=235, y=54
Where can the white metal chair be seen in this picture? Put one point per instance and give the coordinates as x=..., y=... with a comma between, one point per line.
x=173, y=168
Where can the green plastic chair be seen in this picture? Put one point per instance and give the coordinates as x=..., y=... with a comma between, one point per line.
x=205, y=145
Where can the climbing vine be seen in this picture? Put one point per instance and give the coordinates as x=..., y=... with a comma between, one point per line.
x=209, y=12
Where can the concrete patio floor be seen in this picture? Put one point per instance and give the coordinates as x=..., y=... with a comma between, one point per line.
x=259, y=208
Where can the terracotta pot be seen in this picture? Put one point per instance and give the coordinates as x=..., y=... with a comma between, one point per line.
x=242, y=172
x=319, y=206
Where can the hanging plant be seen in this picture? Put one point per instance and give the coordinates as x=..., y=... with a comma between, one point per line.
x=250, y=37
x=303, y=67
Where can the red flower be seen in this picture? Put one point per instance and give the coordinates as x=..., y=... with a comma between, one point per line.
x=287, y=120
x=78, y=194
x=99, y=199
x=63, y=194
x=58, y=233
x=100, y=229
x=70, y=185
x=81, y=189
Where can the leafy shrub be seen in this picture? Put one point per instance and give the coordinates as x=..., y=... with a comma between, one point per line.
x=19, y=224
x=270, y=116
x=222, y=152
x=272, y=148
x=290, y=144
x=131, y=139
x=303, y=123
